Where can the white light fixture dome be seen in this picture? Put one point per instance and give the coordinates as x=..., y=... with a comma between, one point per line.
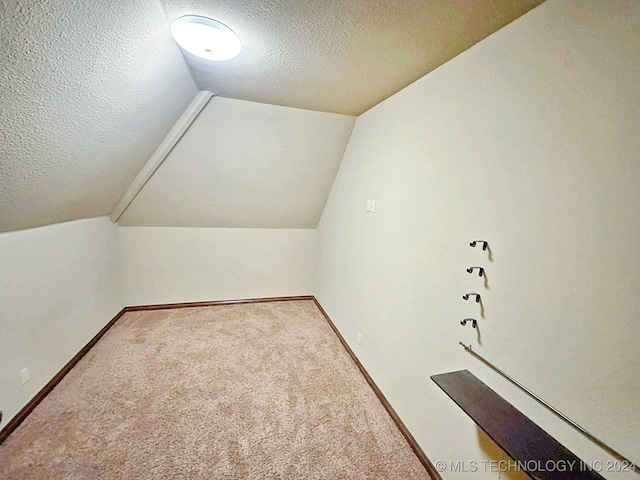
x=205, y=37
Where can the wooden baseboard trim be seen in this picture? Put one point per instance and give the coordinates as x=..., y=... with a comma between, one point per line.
x=44, y=391
x=431, y=470
x=33, y=403
x=164, y=306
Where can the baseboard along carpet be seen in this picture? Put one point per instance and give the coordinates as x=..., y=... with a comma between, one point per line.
x=252, y=391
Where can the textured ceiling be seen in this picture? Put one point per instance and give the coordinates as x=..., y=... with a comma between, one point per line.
x=246, y=164
x=88, y=89
x=341, y=56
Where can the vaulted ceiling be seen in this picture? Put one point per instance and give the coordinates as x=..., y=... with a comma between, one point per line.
x=89, y=89
x=246, y=164
x=87, y=92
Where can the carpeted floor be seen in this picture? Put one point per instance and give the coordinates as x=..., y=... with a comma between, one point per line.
x=248, y=391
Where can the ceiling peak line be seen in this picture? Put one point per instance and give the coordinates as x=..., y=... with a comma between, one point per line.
x=168, y=143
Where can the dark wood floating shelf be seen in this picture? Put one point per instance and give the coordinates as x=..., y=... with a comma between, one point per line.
x=538, y=454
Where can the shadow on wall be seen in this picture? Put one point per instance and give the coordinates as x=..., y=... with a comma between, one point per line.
x=498, y=464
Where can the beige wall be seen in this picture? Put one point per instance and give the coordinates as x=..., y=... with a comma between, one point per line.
x=167, y=265
x=530, y=141
x=59, y=285
x=245, y=165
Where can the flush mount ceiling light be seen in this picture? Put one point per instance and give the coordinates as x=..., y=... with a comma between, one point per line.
x=205, y=37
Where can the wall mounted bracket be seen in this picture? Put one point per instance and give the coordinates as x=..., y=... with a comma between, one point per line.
x=466, y=296
x=480, y=270
x=484, y=243
x=474, y=322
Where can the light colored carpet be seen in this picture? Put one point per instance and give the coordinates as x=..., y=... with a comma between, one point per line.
x=227, y=392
